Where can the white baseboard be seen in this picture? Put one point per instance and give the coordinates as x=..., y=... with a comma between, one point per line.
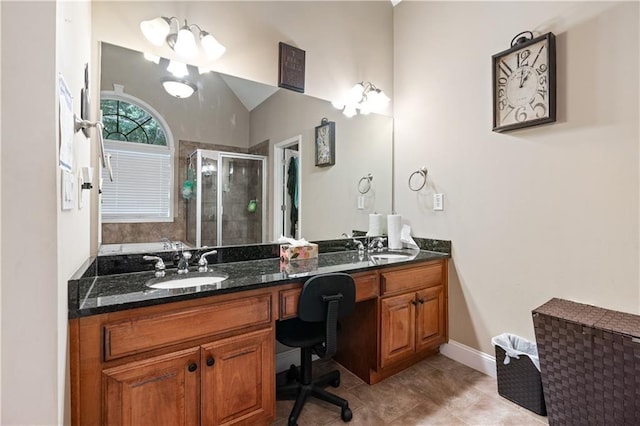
x=463, y=354
x=470, y=357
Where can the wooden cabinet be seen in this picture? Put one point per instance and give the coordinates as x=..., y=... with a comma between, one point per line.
x=404, y=324
x=430, y=318
x=159, y=390
x=410, y=323
x=238, y=379
x=204, y=362
x=211, y=361
x=413, y=321
x=222, y=383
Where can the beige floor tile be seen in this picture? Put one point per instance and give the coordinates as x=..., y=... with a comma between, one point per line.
x=436, y=391
x=491, y=411
x=361, y=417
x=428, y=413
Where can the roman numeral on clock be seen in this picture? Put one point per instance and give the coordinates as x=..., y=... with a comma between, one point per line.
x=505, y=68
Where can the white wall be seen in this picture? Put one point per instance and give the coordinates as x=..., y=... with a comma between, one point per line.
x=29, y=224
x=328, y=196
x=73, y=51
x=346, y=42
x=41, y=245
x=550, y=211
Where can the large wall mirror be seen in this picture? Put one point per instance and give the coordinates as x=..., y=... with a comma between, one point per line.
x=233, y=163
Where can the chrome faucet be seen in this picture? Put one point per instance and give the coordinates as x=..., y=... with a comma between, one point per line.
x=376, y=244
x=183, y=263
x=166, y=243
x=202, y=263
x=358, y=244
x=159, y=265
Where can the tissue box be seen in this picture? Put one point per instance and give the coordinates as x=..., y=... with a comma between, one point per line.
x=288, y=252
x=299, y=268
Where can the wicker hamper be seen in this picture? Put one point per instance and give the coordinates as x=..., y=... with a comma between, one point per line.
x=519, y=381
x=590, y=363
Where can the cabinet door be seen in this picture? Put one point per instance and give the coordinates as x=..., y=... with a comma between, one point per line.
x=238, y=379
x=163, y=390
x=397, y=331
x=430, y=319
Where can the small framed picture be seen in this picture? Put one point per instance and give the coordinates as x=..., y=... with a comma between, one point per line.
x=291, y=67
x=325, y=143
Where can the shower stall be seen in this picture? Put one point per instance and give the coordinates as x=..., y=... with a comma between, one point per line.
x=225, y=196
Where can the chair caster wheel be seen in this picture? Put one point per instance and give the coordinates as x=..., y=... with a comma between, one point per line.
x=292, y=423
x=335, y=383
x=346, y=415
x=292, y=374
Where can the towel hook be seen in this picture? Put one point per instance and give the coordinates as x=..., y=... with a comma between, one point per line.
x=364, y=184
x=422, y=172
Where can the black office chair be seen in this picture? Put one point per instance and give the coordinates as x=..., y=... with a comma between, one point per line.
x=323, y=300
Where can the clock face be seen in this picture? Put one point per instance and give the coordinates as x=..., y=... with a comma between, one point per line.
x=523, y=78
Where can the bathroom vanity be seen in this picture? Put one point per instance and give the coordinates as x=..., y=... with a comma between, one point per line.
x=206, y=355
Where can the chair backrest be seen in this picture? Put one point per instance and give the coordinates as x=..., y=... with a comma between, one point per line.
x=313, y=303
x=326, y=298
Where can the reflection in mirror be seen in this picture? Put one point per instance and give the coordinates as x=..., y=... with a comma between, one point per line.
x=232, y=116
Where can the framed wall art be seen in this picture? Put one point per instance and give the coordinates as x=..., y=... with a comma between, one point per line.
x=291, y=67
x=326, y=143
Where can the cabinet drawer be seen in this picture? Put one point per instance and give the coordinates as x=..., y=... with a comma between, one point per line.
x=366, y=288
x=411, y=278
x=150, y=332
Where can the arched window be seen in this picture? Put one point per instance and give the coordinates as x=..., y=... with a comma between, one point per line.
x=141, y=148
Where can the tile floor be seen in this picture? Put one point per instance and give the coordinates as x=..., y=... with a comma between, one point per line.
x=436, y=391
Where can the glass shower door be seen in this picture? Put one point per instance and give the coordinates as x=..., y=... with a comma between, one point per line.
x=241, y=196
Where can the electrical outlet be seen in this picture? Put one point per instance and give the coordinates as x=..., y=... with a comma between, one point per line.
x=438, y=202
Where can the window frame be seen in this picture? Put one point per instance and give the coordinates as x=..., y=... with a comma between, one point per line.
x=143, y=148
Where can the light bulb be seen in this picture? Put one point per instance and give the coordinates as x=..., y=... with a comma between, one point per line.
x=338, y=104
x=377, y=100
x=355, y=94
x=178, y=69
x=186, y=43
x=212, y=47
x=349, y=111
x=365, y=107
x=156, y=30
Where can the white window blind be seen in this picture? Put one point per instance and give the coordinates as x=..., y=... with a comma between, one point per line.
x=142, y=182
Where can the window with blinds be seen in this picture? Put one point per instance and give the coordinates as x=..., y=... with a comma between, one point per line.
x=139, y=143
x=140, y=191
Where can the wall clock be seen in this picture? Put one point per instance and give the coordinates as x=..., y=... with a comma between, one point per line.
x=524, y=83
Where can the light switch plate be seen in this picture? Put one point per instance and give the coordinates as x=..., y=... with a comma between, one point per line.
x=438, y=202
x=360, y=202
x=68, y=190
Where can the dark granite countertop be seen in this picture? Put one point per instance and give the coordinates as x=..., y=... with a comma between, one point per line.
x=91, y=293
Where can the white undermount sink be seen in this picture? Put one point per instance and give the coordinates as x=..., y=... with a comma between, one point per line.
x=201, y=280
x=390, y=256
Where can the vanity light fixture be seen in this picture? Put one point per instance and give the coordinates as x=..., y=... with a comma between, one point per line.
x=178, y=69
x=179, y=88
x=364, y=97
x=181, y=38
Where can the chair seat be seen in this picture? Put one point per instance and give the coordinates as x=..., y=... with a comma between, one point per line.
x=300, y=334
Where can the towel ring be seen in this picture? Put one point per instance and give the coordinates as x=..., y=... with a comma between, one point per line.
x=422, y=172
x=364, y=184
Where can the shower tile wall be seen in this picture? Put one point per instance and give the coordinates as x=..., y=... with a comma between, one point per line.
x=238, y=223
